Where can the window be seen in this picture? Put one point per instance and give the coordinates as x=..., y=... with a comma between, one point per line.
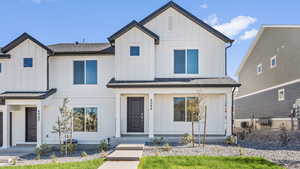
x=85, y=72
x=27, y=62
x=281, y=95
x=85, y=119
x=0, y=67
x=186, y=61
x=134, y=51
x=273, y=61
x=259, y=69
x=184, y=108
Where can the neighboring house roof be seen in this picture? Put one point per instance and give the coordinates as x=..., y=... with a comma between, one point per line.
x=255, y=41
x=21, y=39
x=175, y=82
x=27, y=94
x=130, y=26
x=187, y=14
x=81, y=48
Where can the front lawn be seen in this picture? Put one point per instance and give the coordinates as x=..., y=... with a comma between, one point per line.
x=90, y=164
x=205, y=162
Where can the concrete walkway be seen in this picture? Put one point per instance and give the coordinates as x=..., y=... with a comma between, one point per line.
x=126, y=156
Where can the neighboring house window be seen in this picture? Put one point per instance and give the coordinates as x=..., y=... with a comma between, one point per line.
x=85, y=72
x=281, y=95
x=27, y=62
x=85, y=119
x=259, y=69
x=273, y=62
x=0, y=67
x=186, y=61
x=184, y=107
x=134, y=51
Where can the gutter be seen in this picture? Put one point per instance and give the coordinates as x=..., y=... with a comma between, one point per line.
x=226, y=57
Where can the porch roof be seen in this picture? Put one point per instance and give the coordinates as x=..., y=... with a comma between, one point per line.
x=175, y=82
x=27, y=94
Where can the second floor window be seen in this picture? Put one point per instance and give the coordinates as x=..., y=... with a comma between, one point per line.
x=0, y=67
x=27, y=62
x=134, y=51
x=186, y=61
x=259, y=69
x=273, y=62
x=85, y=72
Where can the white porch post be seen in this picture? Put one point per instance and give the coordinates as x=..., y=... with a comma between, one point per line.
x=39, y=123
x=151, y=115
x=118, y=115
x=229, y=117
x=5, y=127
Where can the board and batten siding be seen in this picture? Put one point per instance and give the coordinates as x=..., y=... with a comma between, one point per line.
x=134, y=67
x=15, y=77
x=164, y=116
x=185, y=34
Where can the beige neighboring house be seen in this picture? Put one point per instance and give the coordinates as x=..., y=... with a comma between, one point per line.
x=139, y=85
x=270, y=76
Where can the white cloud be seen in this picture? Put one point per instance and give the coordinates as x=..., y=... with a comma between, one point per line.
x=204, y=6
x=236, y=25
x=249, y=34
x=212, y=20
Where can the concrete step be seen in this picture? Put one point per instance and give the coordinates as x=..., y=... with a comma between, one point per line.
x=130, y=147
x=125, y=155
x=7, y=159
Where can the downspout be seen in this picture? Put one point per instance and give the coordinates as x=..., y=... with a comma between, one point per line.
x=226, y=57
x=232, y=107
x=48, y=72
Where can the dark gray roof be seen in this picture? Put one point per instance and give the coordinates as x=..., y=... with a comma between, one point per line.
x=19, y=40
x=27, y=94
x=175, y=82
x=3, y=55
x=188, y=15
x=82, y=48
x=130, y=26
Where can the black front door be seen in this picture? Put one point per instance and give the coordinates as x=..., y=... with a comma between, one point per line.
x=135, y=114
x=31, y=124
x=1, y=128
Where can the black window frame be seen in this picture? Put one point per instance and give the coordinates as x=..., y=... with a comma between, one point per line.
x=133, y=53
x=25, y=62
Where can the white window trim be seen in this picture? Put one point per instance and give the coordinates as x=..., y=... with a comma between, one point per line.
x=98, y=117
x=281, y=97
x=185, y=111
x=257, y=69
x=273, y=66
x=28, y=68
x=85, y=84
x=186, y=64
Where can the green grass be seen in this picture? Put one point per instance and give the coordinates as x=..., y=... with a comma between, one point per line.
x=205, y=162
x=91, y=164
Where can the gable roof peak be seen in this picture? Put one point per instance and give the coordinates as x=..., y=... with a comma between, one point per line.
x=24, y=36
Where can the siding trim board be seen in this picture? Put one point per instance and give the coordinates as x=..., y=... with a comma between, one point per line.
x=270, y=88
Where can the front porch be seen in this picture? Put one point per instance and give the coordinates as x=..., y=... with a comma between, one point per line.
x=21, y=121
x=145, y=113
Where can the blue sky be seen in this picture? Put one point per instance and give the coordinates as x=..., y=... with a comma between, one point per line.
x=57, y=21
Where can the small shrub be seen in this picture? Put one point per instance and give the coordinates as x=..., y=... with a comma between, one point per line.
x=103, y=146
x=70, y=148
x=284, y=137
x=231, y=140
x=186, y=139
x=37, y=157
x=53, y=158
x=241, y=151
x=167, y=147
x=158, y=141
x=12, y=161
x=83, y=154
